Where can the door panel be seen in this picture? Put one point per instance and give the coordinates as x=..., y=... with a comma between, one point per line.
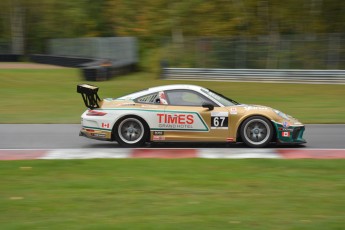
x=193, y=123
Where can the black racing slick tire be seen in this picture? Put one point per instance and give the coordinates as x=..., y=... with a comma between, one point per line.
x=256, y=131
x=131, y=132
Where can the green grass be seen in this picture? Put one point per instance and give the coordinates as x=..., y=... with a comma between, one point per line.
x=172, y=194
x=49, y=96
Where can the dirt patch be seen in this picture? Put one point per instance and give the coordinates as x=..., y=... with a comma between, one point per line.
x=25, y=65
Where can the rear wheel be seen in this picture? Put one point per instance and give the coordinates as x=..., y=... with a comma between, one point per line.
x=131, y=132
x=256, y=131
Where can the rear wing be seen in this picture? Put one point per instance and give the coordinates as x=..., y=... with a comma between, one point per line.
x=89, y=94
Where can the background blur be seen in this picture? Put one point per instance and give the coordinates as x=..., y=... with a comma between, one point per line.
x=294, y=34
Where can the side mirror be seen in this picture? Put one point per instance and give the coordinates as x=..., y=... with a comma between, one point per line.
x=209, y=106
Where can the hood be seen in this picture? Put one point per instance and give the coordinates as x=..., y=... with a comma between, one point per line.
x=266, y=111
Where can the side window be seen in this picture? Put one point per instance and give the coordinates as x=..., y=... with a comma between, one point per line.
x=186, y=98
x=148, y=99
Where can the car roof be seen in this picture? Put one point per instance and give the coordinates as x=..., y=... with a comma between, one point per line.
x=161, y=88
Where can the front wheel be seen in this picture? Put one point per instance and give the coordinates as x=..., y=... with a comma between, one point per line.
x=131, y=132
x=256, y=131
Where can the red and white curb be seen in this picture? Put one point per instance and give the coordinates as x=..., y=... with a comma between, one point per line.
x=215, y=153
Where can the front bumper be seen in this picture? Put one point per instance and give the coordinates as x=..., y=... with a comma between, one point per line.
x=289, y=135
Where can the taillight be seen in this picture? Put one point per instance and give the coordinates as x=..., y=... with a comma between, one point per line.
x=95, y=113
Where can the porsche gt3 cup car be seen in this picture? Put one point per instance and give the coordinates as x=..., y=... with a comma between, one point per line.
x=183, y=113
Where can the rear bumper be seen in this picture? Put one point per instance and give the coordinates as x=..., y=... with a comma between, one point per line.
x=96, y=134
x=290, y=135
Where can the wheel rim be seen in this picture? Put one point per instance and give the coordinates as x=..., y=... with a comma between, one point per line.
x=257, y=131
x=131, y=130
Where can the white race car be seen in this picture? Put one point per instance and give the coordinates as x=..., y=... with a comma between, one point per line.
x=183, y=113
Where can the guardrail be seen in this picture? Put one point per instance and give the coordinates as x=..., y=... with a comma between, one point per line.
x=92, y=69
x=256, y=75
x=59, y=60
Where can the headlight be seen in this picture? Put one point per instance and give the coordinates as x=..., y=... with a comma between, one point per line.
x=281, y=114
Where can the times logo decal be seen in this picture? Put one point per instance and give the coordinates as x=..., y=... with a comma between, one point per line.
x=178, y=120
x=181, y=119
x=175, y=121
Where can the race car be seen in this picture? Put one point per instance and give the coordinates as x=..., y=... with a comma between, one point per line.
x=183, y=113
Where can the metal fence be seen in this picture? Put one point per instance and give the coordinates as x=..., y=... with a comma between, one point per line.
x=119, y=49
x=325, y=51
x=5, y=47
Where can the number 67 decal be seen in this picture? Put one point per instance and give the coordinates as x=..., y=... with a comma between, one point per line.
x=219, y=120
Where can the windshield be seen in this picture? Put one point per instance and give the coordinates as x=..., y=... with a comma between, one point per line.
x=219, y=97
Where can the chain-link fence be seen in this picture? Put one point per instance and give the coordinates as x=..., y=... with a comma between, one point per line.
x=123, y=50
x=262, y=52
x=5, y=47
x=325, y=51
x=120, y=49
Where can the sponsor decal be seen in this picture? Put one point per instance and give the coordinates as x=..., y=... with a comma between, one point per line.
x=285, y=129
x=150, y=106
x=176, y=118
x=175, y=121
x=219, y=120
x=126, y=104
x=97, y=134
x=158, y=133
x=158, y=138
x=233, y=111
x=255, y=108
x=286, y=134
x=285, y=124
x=106, y=125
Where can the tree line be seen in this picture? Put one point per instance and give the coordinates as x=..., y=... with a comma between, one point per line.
x=28, y=24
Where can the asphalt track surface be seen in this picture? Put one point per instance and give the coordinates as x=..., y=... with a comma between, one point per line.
x=66, y=136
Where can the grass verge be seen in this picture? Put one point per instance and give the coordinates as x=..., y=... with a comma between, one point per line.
x=49, y=95
x=172, y=194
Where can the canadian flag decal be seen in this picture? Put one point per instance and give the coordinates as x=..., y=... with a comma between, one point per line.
x=286, y=134
x=105, y=125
